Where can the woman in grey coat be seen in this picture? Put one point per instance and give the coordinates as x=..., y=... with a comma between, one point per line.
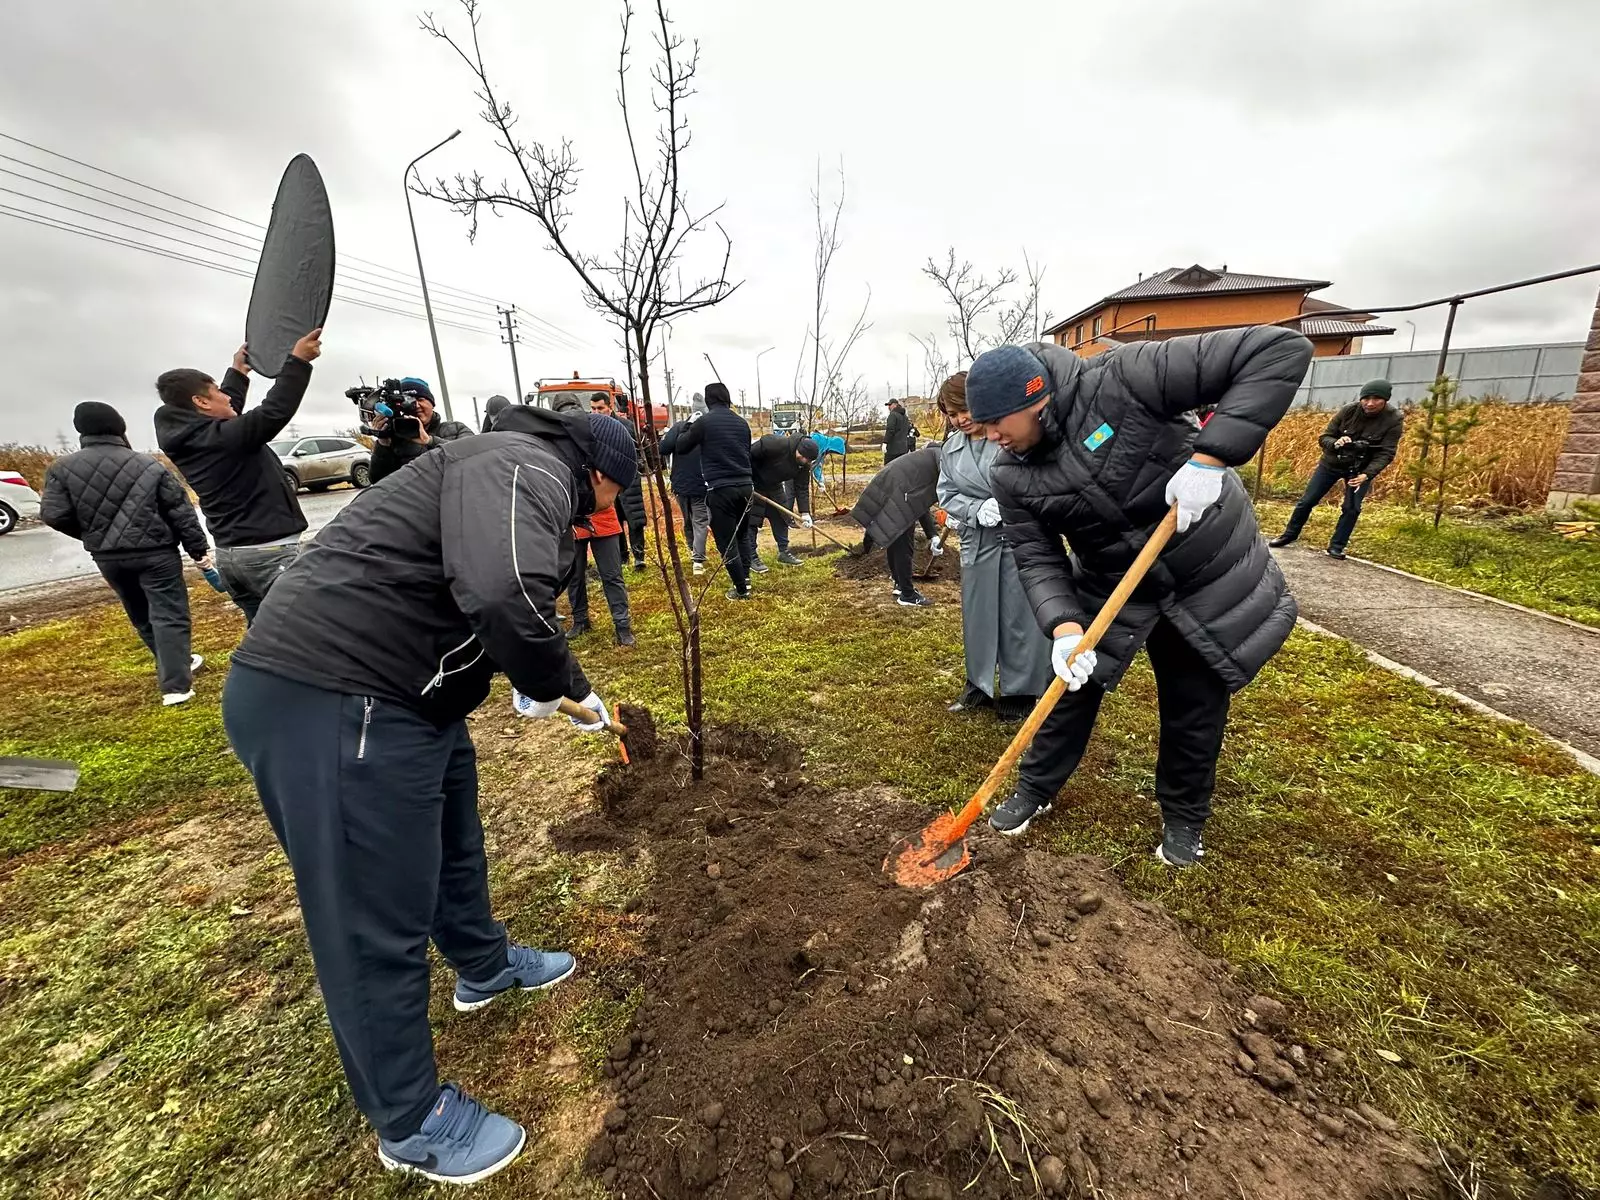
x=998, y=629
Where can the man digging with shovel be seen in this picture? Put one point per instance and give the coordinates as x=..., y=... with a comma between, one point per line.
x=1098, y=449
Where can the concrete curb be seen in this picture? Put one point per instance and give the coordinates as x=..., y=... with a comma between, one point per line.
x=1587, y=761
x=1450, y=587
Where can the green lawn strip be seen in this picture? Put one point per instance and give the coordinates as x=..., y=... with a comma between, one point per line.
x=1518, y=558
x=1414, y=878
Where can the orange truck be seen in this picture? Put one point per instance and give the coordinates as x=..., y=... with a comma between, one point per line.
x=552, y=391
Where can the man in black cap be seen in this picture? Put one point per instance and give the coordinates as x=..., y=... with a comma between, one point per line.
x=492, y=408
x=222, y=452
x=347, y=702
x=1096, y=452
x=898, y=437
x=780, y=466
x=131, y=514
x=392, y=453
x=1360, y=441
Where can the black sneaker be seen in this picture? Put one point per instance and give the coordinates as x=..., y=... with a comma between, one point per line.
x=579, y=628
x=1181, y=844
x=735, y=594
x=759, y=567
x=972, y=698
x=915, y=600
x=789, y=560
x=1334, y=552
x=1016, y=814
x=638, y=564
x=1013, y=710
x=1284, y=539
x=625, y=637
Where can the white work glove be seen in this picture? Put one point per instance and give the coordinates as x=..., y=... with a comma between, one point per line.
x=951, y=524
x=936, y=546
x=989, y=513
x=805, y=519
x=537, y=709
x=1077, y=674
x=595, y=705
x=1195, y=488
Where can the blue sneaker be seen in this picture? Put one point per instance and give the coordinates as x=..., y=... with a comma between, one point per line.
x=526, y=968
x=460, y=1141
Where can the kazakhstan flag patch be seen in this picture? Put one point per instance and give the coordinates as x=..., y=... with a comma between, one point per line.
x=1099, y=437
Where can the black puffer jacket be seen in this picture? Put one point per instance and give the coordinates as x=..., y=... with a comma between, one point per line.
x=687, y=479
x=388, y=457
x=119, y=503
x=898, y=495
x=429, y=582
x=1217, y=583
x=897, y=439
x=242, y=488
x=773, y=463
x=630, y=501
x=723, y=438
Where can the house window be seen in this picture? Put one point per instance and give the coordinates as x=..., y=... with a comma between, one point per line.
x=1097, y=327
x=1077, y=336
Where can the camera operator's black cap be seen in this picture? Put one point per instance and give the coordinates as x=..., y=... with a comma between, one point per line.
x=611, y=449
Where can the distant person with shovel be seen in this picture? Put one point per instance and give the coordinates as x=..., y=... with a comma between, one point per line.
x=722, y=437
x=1360, y=441
x=889, y=508
x=780, y=465
x=1000, y=639
x=1096, y=451
x=347, y=703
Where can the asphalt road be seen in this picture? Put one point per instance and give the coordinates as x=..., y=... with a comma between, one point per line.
x=37, y=555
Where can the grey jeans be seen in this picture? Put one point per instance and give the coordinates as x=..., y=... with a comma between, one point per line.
x=153, y=595
x=696, y=524
x=250, y=572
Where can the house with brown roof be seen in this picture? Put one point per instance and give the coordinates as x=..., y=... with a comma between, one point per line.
x=1197, y=299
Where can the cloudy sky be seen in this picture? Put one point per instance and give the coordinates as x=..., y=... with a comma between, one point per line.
x=1402, y=150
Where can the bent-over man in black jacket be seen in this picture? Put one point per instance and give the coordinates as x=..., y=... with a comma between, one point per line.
x=722, y=437
x=131, y=514
x=222, y=451
x=347, y=702
x=780, y=467
x=1360, y=441
x=1098, y=449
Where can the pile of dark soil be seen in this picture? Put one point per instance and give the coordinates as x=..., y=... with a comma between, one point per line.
x=874, y=564
x=809, y=1029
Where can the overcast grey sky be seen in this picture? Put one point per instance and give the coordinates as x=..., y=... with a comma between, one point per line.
x=1401, y=150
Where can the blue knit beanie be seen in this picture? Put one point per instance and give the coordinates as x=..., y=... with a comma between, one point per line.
x=611, y=449
x=1005, y=380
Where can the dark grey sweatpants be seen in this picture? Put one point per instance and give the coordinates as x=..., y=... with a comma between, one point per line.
x=378, y=813
x=153, y=595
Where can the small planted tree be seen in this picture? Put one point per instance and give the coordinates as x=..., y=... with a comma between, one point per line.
x=1441, y=432
x=639, y=285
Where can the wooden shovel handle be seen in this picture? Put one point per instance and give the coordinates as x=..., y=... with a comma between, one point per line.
x=796, y=518
x=1058, y=686
x=571, y=708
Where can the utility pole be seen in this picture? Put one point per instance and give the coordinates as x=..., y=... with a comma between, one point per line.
x=422, y=278
x=510, y=339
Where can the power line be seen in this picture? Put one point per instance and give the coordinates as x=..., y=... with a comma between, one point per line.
x=62, y=226
x=401, y=277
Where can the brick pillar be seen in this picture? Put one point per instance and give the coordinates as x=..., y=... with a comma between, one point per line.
x=1578, y=468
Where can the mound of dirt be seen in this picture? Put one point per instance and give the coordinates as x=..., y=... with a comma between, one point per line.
x=874, y=564
x=809, y=1029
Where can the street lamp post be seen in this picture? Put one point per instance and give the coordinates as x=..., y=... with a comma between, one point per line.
x=1413, y=325
x=768, y=350
x=427, y=304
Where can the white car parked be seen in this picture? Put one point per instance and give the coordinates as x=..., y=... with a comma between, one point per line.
x=316, y=463
x=17, y=500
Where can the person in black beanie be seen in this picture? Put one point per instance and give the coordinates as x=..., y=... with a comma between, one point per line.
x=723, y=438
x=1360, y=441
x=131, y=514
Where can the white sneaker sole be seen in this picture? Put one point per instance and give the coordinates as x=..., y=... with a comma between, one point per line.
x=394, y=1164
x=1177, y=866
x=1023, y=828
x=475, y=1005
x=176, y=698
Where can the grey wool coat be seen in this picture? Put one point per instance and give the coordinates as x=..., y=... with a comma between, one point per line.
x=1116, y=429
x=998, y=632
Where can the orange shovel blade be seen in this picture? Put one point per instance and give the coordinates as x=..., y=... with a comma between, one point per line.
x=930, y=857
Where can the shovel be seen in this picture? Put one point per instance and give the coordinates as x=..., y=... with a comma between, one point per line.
x=571, y=708
x=796, y=518
x=38, y=774
x=940, y=850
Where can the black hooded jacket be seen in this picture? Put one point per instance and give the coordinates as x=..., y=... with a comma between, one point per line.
x=242, y=488
x=389, y=456
x=687, y=479
x=723, y=438
x=119, y=503
x=434, y=579
x=1117, y=427
x=897, y=439
x=773, y=463
x=899, y=495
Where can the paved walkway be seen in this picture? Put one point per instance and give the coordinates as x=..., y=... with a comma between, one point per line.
x=1538, y=670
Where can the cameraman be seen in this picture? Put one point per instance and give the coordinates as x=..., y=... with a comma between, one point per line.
x=402, y=445
x=1358, y=443
x=347, y=702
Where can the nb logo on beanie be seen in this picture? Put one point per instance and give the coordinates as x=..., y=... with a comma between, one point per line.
x=1035, y=386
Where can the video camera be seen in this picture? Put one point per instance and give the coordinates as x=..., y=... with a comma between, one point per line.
x=1353, y=453
x=395, y=401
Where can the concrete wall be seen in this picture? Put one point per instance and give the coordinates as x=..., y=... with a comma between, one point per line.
x=1578, y=468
